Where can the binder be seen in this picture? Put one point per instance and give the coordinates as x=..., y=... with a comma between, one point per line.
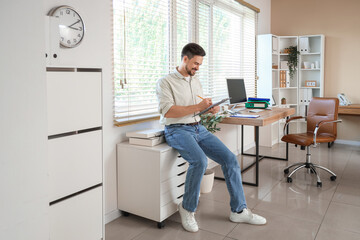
x=309, y=95
x=301, y=96
x=256, y=104
x=259, y=99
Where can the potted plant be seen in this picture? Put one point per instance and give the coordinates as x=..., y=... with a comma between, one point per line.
x=292, y=60
x=283, y=100
x=210, y=121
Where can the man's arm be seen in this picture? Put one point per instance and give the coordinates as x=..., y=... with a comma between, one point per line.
x=181, y=111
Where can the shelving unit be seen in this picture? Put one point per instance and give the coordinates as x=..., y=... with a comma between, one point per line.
x=272, y=66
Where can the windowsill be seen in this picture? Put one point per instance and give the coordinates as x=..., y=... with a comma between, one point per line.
x=132, y=122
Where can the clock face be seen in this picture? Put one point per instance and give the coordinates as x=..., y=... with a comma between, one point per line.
x=71, y=26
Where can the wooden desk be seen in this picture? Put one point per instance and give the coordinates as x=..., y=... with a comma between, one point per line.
x=352, y=109
x=266, y=117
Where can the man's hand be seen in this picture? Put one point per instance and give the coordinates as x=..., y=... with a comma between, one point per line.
x=214, y=110
x=205, y=103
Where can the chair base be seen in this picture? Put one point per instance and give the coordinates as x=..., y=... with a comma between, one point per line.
x=311, y=168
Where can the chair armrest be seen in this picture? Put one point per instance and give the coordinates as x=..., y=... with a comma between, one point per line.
x=319, y=124
x=289, y=120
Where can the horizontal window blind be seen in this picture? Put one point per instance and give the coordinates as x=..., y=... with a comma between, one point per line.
x=141, y=56
x=148, y=36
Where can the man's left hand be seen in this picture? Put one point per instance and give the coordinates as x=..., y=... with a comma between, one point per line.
x=214, y=110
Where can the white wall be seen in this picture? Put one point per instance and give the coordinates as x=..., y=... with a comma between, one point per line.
x=23, y=139
x=264, y=18
x=96, y=50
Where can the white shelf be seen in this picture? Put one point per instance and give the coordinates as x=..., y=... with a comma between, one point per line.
x=288, y=88
x=310, y=87
x=315, y=69
x=315, y=53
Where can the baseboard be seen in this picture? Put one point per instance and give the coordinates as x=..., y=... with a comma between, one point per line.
x=248, y=146
x=348, y=142
x=111, y=216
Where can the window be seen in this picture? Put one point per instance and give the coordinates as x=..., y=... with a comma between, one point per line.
x=148, y=38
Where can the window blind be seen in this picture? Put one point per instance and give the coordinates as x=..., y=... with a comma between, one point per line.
x=150, y=34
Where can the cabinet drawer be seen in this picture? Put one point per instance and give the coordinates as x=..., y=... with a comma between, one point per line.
x=170, y=167
x=172, y=195
x=75, y=163
x=79, y=217
x=70, y=106
x=172, y=183
x=170, y=208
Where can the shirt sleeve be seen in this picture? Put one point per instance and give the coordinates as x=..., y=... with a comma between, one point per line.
x=164, y=96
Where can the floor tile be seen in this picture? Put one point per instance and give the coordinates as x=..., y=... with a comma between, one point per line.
x=343, y=216
x=335, y=234
x=212, y=216
x=278, y=227
x=124, y=228
x=348, y=192
x=295, y=201
x=175, y=231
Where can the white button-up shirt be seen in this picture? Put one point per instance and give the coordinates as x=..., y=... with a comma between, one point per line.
x=175, y=89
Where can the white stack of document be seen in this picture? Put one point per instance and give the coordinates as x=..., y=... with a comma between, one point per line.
x=147, y=137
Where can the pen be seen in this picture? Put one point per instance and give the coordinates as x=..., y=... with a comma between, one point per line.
x=200, y=97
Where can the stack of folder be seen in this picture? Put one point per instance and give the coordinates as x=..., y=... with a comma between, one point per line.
x=147, y=137
x=257, y=103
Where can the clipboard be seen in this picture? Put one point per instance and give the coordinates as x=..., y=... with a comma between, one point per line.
x=215, y=104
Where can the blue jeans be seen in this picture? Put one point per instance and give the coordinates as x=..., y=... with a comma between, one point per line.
x=194, y=143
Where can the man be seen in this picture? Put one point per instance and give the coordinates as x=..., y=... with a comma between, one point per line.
x=178, y=102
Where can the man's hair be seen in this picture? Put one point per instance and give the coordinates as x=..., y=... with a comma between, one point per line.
x=192, y=49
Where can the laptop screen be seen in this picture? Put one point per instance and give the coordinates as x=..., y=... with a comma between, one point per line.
x=236, y=90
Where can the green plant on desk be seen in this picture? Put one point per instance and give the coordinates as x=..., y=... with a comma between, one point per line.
x=210, y=121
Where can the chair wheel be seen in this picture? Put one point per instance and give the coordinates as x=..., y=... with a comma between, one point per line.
x=333, y=178
x=319, y=184
x=286, y=171
x=289, y=179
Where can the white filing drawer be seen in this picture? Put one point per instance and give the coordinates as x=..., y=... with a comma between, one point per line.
x=79, y=217
x=75, y=163
x=73, y=101
x=150, y=180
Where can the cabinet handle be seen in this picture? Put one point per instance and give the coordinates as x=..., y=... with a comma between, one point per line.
x=181, y=164
x=181, y=173
x=180, y=196
x=179, y=156
x=181, y=185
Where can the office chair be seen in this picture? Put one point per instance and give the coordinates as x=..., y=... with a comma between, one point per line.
x=321, y=128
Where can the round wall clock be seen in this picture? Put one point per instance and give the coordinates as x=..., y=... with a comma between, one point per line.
x=71, y=26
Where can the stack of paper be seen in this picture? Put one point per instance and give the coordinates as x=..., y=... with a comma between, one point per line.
x=147, y=137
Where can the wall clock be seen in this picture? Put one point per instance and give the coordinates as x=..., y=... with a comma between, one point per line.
x=71, y=26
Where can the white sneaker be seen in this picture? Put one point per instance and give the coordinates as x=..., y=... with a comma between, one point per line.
x=188, y=219
x=247, y=217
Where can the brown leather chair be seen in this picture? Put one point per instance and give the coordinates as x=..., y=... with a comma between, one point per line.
x=321, y=128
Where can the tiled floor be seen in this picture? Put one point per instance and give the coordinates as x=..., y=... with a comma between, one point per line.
x=297, y=210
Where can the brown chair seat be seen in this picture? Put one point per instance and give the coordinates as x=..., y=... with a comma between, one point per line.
x=307, y=139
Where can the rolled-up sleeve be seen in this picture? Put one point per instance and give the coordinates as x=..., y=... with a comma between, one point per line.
x=164, y=96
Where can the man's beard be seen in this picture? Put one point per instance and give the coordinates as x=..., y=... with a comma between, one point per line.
x=189, y=71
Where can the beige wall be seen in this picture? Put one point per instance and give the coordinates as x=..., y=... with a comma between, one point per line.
x=339, y=21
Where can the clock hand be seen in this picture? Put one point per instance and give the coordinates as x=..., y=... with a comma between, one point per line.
x=74, y=23
x=74, y=28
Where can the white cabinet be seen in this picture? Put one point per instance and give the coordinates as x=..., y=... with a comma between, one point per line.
x=74, y=101
x=150, y=180
x=274, y=81
x=78, y=217
x=74, y=104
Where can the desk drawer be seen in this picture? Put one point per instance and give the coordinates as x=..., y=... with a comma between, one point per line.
x=176, y=170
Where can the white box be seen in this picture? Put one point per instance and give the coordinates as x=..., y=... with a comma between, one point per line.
x=146, y=133
x=147, y=141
